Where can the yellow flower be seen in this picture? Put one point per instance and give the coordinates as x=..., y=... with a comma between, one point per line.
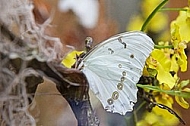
x=149, y=119
x=165, y=99
x=162, y=64
x=70, y=59
x=179, y=46
x=159, y=22
x=158, y=116
x=154, y=119
x=135, y=23
x=182, y=23
x=148, y=6
x=181, y=101
x=181, y=56
x=174, y=64
x=182, y=87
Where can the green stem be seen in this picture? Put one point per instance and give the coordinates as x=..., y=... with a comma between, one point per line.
x=140, y=106
x=135, y=112
x=152, y=14
x=163, y=47
x=173, y=9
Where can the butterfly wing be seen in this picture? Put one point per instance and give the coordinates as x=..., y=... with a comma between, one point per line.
x=114, y=67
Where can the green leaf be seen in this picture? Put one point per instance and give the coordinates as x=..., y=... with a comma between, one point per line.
x=184, y=83
x=183, y=94
x=163, y=47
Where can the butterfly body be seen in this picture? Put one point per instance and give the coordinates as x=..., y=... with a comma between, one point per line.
x=113, y=68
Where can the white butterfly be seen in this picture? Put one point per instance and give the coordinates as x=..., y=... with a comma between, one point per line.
x=113, y=68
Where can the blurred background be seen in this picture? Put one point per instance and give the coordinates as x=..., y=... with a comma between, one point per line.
x=72, y=22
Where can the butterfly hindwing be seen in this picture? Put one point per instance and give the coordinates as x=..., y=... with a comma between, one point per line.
x=113, y=68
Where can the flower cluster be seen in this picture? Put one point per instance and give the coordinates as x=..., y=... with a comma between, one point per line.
x=165, y=61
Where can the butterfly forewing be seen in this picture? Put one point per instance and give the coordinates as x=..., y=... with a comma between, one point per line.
x=113, y=68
